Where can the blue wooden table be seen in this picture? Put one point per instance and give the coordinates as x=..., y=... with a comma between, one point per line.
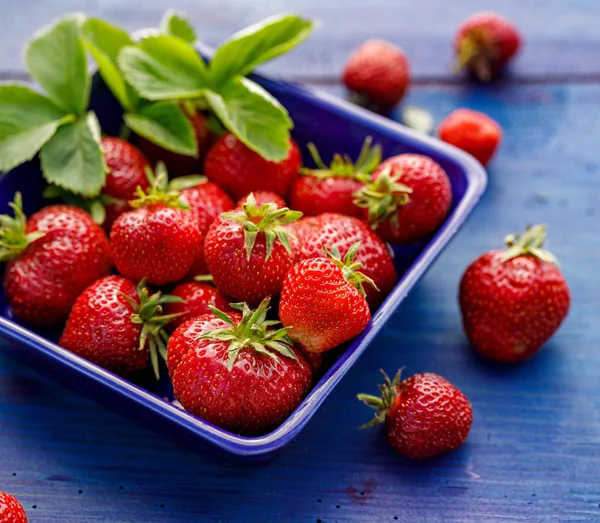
x=534, y=451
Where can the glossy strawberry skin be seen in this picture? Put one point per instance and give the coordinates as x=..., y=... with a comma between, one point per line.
x=127, y=171
x=207, y=201
x=197, y=297
x=11, y=511
x=429, y=417
x=321, y=307
x=302, y=229
x=429, y=202
x=313, y=196
x=496, y=39
x=180, y=164
x=236, y=276
x=155, y=242
x=473, y=132
x=100, y=329
x=239, y=170
x=256, y=396
x=262, y=197
x=42, y=283
x=343, y=231
x=510, y=309
x=379, y=73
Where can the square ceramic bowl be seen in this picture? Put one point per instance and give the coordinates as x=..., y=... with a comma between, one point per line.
x=334, y=126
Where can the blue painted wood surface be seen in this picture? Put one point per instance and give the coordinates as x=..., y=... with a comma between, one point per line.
x=533, y=454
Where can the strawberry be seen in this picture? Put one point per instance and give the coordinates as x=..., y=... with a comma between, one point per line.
x=126, y=172
x=425, y=415
x=342, y=232
x=513, y=300
x=331, y=189
x=117, y=325
x=11, y=511
x=197, y=297
x=377, y=74
x=262, y=197
x=180, y=164
x=323, y=301
x=240, y=170
x=408, y=199
x=248, y=251
x=51, y=258
x=473, y=132
x=302, y=228
x=243, y=376
x=485, y=43
x=159, y=240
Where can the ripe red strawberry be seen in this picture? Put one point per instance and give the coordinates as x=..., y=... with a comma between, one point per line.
x=302, y=228
x=485, y=43
x=513, y=300
x=243, y=376
x=126, y=172
x=180, y=164
x=118, y=325
x=11, y=510
x=196, y=299
x=344, y=231
x=262, y=197
x=473, y=132
x=425, y=415
x=51, y=258
x=332, y=189
x=323, y=301
x=408, y=199
x=248, y=251
x=378, y=74
x=159, y=240
x=240, y=170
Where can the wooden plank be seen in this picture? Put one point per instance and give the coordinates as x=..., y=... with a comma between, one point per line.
x=561, y=41
x=532, y=455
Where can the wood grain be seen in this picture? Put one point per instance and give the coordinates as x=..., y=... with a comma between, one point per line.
x=532, y=455
x=562, y=38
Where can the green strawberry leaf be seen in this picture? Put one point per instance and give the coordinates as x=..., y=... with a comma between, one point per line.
x=257, y=44
x=165, y=124
x=73, y=160
x=178, y=24
x=105, y=41
x=254, y=116
x=164, y=68
x=56, y=59
x=27, y=121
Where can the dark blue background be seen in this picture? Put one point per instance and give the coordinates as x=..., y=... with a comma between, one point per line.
x=533, y=454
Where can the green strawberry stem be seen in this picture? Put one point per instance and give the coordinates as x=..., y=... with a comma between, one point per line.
x=160, y=191
x=383, y=197
x=383, y=403
x=148, y=314
x=268, y=219
x=14, y=238
x=349, y=267
x=254, y=331
x=529, y=243
x=343, y=167
x=203, y=277
x=474, y=52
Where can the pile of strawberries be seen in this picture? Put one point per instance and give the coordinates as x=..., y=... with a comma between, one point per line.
x=245, y=279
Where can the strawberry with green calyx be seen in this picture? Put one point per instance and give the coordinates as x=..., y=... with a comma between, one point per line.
x=41, y=252
x=513, y=300
x=323, y=301
x=244, y=376
x=331, y=188
x=262, y=197
x=167, y=69
x=425, y=415
x=250, y=250
x=119, y=326
x=408, y=199
x=159, y=239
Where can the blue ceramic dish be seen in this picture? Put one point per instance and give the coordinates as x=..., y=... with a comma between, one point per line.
x=334, y=126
